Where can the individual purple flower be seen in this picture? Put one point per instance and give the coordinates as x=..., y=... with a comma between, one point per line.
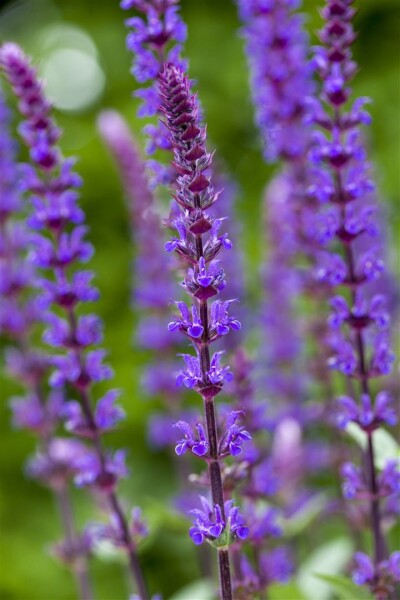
x=265, y=480
x=234, y=436
x=57, y=464
x=198, y=445
x=89, y=470
x=192, y=376
x=271, y=567
x=112, y=533
x=107, y=415
x=72, y=551
x=361, y=315
x=262, y=524
x=30, y=413
x=353, y=483
x=276, y=565
x=382, y=578
x=365, y=571
x=389, y=479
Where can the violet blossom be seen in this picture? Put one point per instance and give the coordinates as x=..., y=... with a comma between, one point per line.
x=58, y=245
x=361, y=349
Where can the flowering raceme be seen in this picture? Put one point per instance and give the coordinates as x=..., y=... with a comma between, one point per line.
x=361, y=340
x=58, y=244
x=198, y=243
x=39, y=411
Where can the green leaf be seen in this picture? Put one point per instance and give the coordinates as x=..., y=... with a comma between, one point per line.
x=345, y=588
x=385, y=446
x=330, y=558
x=280, y=591
x=203, y=589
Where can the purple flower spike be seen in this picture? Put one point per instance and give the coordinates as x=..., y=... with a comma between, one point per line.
x=59, y=247
x=38, y=411
x=347, y=221
x=198, y=242
x=276, y=45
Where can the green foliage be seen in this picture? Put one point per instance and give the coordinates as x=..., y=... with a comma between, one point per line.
x=330, y=558
x=198, y=590
x=345, y=589
x=290, y=591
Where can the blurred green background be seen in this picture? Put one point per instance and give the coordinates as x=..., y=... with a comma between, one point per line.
x=91, y=33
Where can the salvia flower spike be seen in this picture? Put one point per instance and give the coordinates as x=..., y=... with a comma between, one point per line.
x=198, y=242
x=360, y=324
x=37, y=411
x=58, y=246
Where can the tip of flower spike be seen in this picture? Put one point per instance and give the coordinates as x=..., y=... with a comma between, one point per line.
x=110, y=124
x=10, y=50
